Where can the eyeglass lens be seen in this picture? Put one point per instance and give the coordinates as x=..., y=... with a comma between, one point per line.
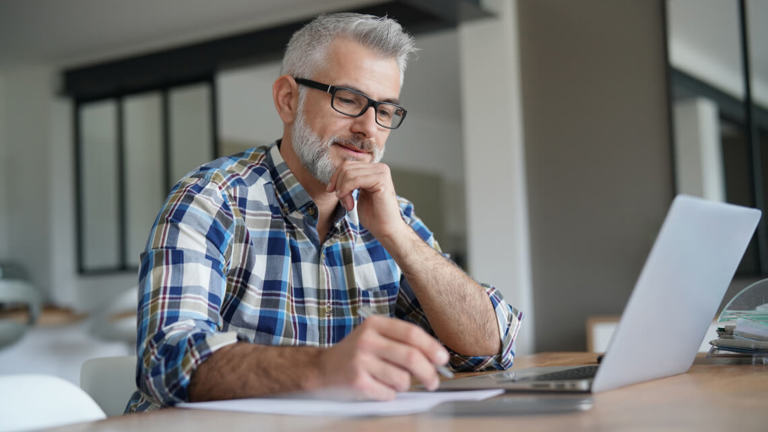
x=353, y=104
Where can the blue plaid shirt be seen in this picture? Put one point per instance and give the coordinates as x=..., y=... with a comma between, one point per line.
x=234, y=255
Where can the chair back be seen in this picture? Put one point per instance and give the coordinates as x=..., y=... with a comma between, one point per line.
x=110, y=381
x=32, y=401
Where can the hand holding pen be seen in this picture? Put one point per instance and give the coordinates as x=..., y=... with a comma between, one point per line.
x=379, y=358
x=365, y=312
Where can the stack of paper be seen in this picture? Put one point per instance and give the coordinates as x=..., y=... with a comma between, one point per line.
x=748, y=335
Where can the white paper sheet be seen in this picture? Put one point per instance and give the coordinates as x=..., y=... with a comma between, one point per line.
x=403, y=404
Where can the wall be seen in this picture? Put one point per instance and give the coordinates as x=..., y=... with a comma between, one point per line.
x=494, y=157
x=27, y=159
x=598, y=155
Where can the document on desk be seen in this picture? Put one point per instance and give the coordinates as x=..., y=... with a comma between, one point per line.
x=404, y=404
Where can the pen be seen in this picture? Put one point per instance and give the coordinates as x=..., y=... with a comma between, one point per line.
x=366, y=312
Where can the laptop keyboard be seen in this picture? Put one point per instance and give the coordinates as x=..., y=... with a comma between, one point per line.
x=567, y=374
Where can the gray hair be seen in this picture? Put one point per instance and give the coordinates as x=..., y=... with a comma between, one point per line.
x=307, y=48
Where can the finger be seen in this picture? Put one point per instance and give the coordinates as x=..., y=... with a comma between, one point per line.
x=332, y=181
x=373, y=389
x=343, y=166
x=351, y=177
x=389, y=374
x=367, y=181
x=409, y=359
x=348, y=202
x=370, y=377
x=410, y=334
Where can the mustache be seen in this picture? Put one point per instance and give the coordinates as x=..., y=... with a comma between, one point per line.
x=362, y=144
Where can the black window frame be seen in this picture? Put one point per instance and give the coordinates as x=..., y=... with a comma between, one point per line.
x=164, y=90
x=743, y=112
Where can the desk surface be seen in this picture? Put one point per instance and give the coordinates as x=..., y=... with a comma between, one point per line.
x=713, y=395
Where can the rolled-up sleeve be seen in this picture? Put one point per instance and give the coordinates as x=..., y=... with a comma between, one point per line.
x=509, y=320
x=182, y=284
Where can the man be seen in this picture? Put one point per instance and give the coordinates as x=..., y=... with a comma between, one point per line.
x=259, y=265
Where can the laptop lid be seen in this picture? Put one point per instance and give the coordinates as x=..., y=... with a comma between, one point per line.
x=677, y=294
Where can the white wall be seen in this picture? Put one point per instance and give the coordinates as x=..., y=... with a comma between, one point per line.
x=27, y=160
x=494, y=157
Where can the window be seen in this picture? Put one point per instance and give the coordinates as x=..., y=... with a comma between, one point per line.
x=131, y=149
x=719, y=93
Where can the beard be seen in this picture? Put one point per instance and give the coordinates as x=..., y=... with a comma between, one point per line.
x=314, y=152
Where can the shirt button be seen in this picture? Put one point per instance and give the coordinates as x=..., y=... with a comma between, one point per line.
x=312, y=211
x=328, y=309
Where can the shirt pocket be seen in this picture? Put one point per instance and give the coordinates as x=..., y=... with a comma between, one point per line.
x=381, y=300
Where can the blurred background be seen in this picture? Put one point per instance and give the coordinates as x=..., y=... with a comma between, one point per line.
x=545, y=140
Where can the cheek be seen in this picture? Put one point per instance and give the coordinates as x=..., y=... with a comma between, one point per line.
x=381, y=138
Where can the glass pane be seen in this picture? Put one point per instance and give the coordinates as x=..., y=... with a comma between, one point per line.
x=190, y=128
x=705, y=48
x=144, y=172
x=739, y=189
x=757, y=28
x=99, y=193
x=713, y=157
x=704, y=41
x=757, y=31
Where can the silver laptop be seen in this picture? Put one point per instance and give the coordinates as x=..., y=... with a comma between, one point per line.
x=674, y=300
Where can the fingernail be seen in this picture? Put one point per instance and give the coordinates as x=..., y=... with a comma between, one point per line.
x=434, y=385
x=443, y=357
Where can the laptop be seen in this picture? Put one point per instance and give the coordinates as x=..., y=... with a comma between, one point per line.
x=669, y=311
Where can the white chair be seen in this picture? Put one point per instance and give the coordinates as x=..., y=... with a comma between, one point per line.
x=18, y=292
x=117, y=321
x=110, y=381
x=42, y=401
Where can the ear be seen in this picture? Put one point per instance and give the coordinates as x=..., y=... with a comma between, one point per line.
x=285, y=93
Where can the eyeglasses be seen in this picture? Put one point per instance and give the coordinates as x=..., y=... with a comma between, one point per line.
x=353, y=103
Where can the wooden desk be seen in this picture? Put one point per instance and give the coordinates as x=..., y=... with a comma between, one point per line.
x=711, y=396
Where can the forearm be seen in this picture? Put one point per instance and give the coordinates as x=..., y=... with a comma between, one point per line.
x=457, y=307
x=247, y=370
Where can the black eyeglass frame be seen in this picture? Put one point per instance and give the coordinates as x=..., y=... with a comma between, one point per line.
x=331, y=89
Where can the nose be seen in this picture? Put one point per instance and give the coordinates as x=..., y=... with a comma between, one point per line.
x=366, y=125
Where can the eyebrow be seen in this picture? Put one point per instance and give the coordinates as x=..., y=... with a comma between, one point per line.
x=395, y=101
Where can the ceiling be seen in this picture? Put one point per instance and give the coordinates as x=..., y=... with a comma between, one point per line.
x=71, y=32
x=66, y=33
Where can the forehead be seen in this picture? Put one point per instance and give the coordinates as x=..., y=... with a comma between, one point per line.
x=348, y=63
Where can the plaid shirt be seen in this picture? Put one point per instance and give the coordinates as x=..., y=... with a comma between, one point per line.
x=234, y=255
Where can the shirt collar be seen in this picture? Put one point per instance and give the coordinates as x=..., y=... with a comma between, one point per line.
x=290, y=193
